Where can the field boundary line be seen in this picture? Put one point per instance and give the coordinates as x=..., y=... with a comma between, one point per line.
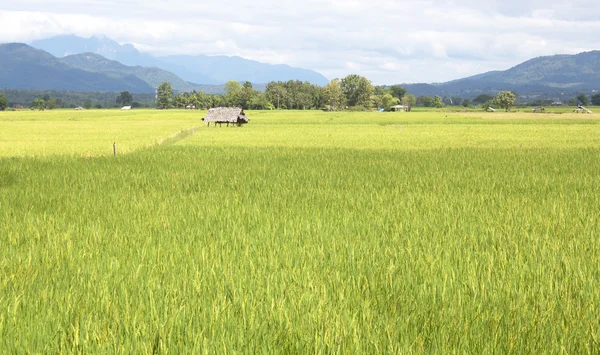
x=174, y=138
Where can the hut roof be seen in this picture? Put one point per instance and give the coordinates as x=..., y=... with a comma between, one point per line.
x=226, y=114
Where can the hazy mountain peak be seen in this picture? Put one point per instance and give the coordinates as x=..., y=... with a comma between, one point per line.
x=201, y=69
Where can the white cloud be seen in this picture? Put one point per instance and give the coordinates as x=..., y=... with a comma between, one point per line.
x=387, y=41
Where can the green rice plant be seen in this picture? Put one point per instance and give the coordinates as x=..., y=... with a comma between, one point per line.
x=307, y=232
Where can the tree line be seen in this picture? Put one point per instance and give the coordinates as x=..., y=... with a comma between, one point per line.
x=353, y=92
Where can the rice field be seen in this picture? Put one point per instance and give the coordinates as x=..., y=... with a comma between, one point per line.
x=301, y=232
x=87, y=133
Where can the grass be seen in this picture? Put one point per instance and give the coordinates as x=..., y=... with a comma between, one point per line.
x=310, y=232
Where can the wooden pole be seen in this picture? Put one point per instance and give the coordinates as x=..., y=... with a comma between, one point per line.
x=115, y=148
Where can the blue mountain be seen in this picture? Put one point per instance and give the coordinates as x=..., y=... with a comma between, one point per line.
x=200, y=69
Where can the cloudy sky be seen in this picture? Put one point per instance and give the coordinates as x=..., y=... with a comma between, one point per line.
x=387, y=41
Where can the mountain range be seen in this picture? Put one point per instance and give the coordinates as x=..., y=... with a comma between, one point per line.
x=102, y=65
x=24, y=67
x=557, y=75
x=200, y=69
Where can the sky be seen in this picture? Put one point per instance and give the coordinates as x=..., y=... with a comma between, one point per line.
x=387, y=41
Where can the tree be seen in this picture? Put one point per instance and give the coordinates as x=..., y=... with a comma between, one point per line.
x=334, y=95
x=425, y=101
x=466, y=103
x=181, y=100
x=488, y=104
x=87, y=104
x=357, y=90
x=438, y=102
x=3, y=102
x=456, y=101
x=482, y=98
x=124, y=99
x=398, y=91
x=409, y=100
x=51, y=104
x=38, y=104
x=388, y=101
x=232, y=86
x=596, y=100
x=380, y=91
x=233, y=97
x=276, y=93
x=582, y=99
x=376, y=101
x=260, y=102
x=505, y=100
x=203, y=100
x=247, y=93
x=164, y=96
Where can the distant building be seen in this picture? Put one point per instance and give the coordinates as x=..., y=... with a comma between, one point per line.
x=125, y=108
x=557, y=103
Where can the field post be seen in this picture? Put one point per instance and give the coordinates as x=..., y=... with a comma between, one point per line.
x=115, y=148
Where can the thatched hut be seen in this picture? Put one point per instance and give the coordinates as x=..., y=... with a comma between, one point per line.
x=227, y=115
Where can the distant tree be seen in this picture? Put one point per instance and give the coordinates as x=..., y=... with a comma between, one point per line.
x=409, y=100
x=572, y=102
x=51, y=104
x=164, y=96
x=125, y=98
x=136, y=104
x=456, y=101
x=276, y=93
x=203, y=100
x=376, y=101
x=259, y=102
x=505, y=100
x=87, y=104
x=482, y=98
x=596, y=100
x=246, y=95
x=425, y=101
x=232, y=85
x=38, y=104
x=234, y=94
x=334, y=95
x=99, y=106
x=466, y=103
x=398, y=91
x=582, y=99
x=3, y=102
x=181, y=100
x=488, y=104
x=388, y=101
x=380, y=91
x=438, y=102
x=357, y=89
